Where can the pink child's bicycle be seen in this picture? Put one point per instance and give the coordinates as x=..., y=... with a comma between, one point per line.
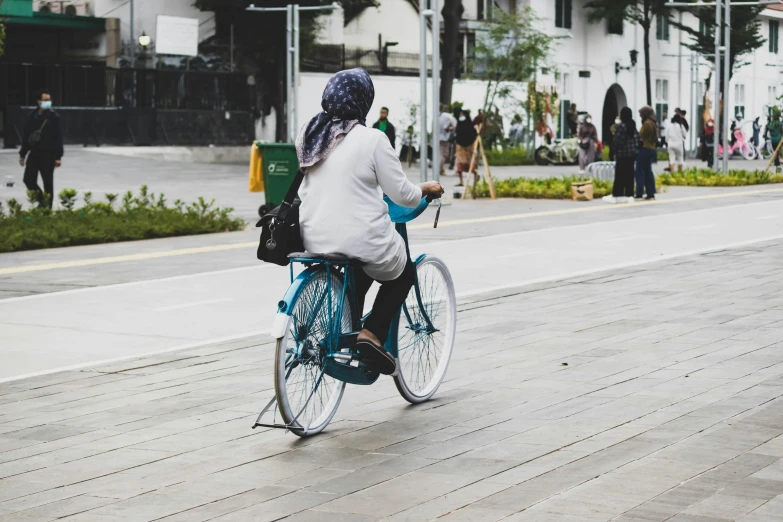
x=746, y=149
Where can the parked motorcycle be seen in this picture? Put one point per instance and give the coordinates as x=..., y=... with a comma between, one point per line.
x=562, y=152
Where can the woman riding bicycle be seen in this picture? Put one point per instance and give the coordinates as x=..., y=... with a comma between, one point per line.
x=348, y=168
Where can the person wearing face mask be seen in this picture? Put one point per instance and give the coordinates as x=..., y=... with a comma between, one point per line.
x=613, y=131
x=588, y=139
x=42, y=148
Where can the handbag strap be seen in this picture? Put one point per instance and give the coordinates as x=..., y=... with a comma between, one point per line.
x=285, y=206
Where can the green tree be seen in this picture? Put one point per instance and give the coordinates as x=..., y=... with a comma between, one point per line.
x=509, y=51
x=2, y=38
x=642, y=12
x=450, y=48
x=745, y=34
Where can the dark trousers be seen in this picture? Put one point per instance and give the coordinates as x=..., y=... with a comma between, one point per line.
x=42, y=162
x=645, y=179
x=388, y=302
x=623, y=177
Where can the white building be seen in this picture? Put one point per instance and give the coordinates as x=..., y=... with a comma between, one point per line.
x=145, y=16
x=583, y=65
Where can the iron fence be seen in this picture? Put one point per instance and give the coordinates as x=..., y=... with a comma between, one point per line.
x=333, y=58
x=99, y=86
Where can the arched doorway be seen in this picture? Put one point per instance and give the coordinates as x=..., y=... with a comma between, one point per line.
x=614, y=101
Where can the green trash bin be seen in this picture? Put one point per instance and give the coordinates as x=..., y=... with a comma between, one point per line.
x=280, y=165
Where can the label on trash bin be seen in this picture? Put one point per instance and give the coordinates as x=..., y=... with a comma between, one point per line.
x=279, y=168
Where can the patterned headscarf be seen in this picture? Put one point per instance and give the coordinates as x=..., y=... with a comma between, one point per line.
x=346, y=101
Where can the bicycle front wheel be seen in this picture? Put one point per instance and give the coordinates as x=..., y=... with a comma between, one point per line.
x=427, y=326
x=306, y=396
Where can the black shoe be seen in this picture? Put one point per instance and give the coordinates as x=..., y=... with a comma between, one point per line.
x=638, y=197
x=650, y=198
x=377, y=357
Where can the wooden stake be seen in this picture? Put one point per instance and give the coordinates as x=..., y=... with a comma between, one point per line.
x=473, y=161
x=491, y=183
x=774, y=155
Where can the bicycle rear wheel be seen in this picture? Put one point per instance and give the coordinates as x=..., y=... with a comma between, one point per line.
x=307, y=397
x=426, y=332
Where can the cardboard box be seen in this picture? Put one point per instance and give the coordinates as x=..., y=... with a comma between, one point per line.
x=582, y=190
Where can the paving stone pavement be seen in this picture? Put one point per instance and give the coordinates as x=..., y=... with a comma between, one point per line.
x=647, y=394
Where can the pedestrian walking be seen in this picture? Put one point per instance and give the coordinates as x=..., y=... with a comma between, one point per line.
x=683, y=118
x=42, y=148
x=447, y=125
x=384, y=125
x=613, y=132
x=678, y=135
x=466, y=138
x=572, y=118
x=624, y=147
x=408, y=151
x=645, y=179
x=707, y=142
x=664, y=131
x=588, y=138
x=756, y=132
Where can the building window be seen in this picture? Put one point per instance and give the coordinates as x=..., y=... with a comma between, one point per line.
x=662, y=98
x=772, y=95
x=614, y=25
x=739, y=99
x=566, y=85
x=774, y=25
x=662, y=27
x=702, y=27
x=563, y=14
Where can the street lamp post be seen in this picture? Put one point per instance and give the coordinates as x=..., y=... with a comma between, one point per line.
x=292, y=59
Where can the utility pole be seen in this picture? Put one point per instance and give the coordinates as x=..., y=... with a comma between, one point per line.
x=434, y=13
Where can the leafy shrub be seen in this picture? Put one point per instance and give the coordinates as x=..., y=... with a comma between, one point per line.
x=541, y=188
x=697, y=177
x=508, y=156
x=139, y=217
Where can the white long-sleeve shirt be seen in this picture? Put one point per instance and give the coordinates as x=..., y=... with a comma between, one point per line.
x=342, y=209
x=677, y=135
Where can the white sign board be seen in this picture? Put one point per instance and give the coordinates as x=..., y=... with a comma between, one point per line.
x=177, y=35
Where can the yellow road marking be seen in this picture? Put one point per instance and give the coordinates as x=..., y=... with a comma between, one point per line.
x=490, y=219
x=122, y=259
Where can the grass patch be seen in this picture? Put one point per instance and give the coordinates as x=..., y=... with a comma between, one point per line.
x=508, y=157
x=541, y=188
x=143, y=216
x=697, y=177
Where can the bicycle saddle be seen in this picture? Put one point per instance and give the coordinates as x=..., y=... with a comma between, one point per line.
x=332, y=258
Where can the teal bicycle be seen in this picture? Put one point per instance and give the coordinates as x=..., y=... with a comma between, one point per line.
x=317, y=323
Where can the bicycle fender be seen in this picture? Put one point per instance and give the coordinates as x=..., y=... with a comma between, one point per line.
x=279, y=325
x=286, y=306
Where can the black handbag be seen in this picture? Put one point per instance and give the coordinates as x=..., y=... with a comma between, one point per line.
x=35, y=137
x=280, y=234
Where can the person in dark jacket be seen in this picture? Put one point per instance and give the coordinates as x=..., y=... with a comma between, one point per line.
x=385, y=126
x=42, y=148
x=624, y=147
x=466, y=137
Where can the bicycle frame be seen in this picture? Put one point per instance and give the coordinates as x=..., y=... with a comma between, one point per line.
x=336, y=341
